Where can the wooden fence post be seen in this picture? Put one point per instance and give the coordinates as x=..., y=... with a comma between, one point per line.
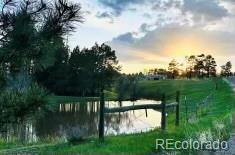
x=101, y=120
x=146, y=113
x=163, y=121
x=177, y=108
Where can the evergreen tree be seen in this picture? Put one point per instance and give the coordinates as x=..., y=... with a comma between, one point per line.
x=226, y=69
x=173, y=68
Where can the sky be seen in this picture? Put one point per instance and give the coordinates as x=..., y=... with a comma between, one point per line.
x=150, y=33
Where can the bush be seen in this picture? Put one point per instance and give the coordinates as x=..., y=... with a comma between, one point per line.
x=16, y=104
x=126, y=88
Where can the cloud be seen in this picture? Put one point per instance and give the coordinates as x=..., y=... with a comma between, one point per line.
x=145, y=28
x=105, y=15
x=165, y=5
x=161, y=45
x=197, y=12
x=203, y=10
x=126, y=38
x=147, y=15
x=230, y=1
x=118, y=6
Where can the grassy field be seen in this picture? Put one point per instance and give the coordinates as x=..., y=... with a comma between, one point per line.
x=214, y=120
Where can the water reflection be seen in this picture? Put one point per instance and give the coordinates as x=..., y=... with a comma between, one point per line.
x=23, y=131
x=132, y=121
x=84, y=117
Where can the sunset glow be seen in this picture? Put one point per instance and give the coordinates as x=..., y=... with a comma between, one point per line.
x=145, y=37
x=180, y=47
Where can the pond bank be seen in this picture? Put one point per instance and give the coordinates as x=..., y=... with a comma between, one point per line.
x=219, y=112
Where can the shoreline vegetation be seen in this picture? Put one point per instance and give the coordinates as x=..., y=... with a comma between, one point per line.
x=214, y=122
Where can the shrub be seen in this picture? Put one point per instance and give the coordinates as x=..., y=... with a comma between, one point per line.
x=16, y=104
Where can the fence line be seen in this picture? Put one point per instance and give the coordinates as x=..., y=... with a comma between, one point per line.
x=159, y=107
x=194, y=111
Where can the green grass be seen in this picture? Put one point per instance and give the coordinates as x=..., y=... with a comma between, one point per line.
x=71, y=99
x=195, y=89
x=219, y=112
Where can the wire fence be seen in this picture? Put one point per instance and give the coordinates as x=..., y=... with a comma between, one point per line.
x=192, y=109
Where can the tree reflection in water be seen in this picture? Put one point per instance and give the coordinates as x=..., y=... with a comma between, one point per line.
x=84, y=117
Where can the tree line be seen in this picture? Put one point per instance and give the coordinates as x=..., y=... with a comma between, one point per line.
x=35, y=62
x=32, y=45
x=196, y=66
x=81, y=72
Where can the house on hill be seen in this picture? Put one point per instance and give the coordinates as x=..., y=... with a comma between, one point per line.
x=156, y=77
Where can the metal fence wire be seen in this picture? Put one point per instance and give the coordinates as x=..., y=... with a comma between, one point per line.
x=193, y=109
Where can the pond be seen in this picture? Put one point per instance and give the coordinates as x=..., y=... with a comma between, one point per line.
x=83, y=118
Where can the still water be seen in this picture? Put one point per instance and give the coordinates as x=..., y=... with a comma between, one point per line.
x=83, y=118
